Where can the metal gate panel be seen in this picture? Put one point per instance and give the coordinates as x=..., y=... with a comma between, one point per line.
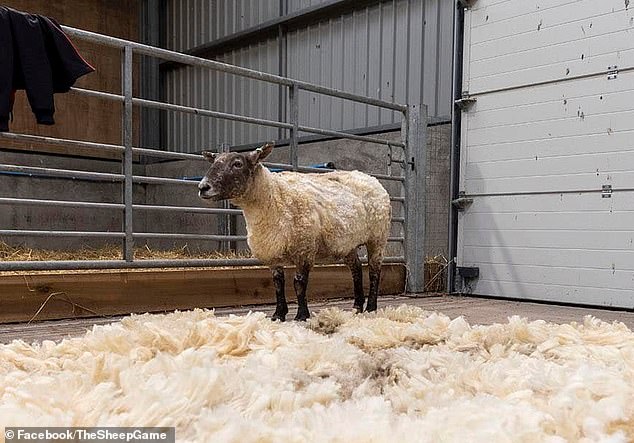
x=547, y=151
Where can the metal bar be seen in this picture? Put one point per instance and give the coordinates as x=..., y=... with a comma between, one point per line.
x=415, y=197
x=398, y=219
x=209, y=113
x=293, y=96
x=37, y=233
x=99, y=94
x=59, y=203
x=379, y=129
x=122, y=264
x=186, y=109
x=398, y=199
x=224, y=67
x=339, y=134
x=62, y=173
x=287, y=167
x=396, y=178
x=210, y=237
x=396, y=239
x=167, y=154
x=224, y=222
x=84, y=144
x=162, y=180
x=189, y=209
x=128, y=243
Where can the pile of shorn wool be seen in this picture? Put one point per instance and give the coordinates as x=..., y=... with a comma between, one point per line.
x=400, y=374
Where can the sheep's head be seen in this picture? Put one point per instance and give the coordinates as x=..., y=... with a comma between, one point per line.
x=231, y=173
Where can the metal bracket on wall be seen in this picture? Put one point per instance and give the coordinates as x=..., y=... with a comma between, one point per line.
x=466, y=3
x=465, y=102
x=461, y=203
x=613, y=72
x=468, y=272
x=606, y=191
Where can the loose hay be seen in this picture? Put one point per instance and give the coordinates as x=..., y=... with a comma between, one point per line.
x=401, y=374
x=111, y=252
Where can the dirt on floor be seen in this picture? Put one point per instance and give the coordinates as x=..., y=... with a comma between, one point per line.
x=476, y=311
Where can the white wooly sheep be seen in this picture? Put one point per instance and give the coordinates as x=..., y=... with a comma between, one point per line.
x=296, y=219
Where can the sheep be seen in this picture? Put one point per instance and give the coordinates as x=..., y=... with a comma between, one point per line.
x=296, y=219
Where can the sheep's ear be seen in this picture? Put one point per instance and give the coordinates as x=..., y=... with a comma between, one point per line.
x=262, y=152
x=209, y=156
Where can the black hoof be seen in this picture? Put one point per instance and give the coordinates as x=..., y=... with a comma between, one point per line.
x=278, y=317
x=358, y=309
x=302, y=316
x=370, y=308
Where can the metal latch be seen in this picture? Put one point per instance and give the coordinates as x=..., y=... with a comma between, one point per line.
x=465, y=102
x=461, y=203
x=606, y=191
x=613, y=72
x=467, y=3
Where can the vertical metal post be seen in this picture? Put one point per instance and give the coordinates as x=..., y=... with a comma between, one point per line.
x=293, y=95
x=128, y=242
x=415, y=196
x=224, y=221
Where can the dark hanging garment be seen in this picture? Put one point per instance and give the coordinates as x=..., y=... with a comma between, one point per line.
x=35, y=55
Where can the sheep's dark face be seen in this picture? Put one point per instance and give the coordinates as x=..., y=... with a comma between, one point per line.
x=231, y=173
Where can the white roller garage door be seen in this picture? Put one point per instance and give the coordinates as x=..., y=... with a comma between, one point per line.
x=547, y=150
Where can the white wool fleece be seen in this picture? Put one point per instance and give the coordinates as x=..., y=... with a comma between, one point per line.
x=294, y=218
x=397, y=375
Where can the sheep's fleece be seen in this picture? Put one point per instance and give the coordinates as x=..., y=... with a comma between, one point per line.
x=397, y=375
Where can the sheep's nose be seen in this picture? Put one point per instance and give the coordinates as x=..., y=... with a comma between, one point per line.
x=204, y=186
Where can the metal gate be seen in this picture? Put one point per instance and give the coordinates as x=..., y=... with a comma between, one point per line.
x=409, y=154
x=547, y=151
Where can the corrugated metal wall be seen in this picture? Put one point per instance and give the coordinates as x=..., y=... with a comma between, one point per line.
x=397, y=50
x=192, y=23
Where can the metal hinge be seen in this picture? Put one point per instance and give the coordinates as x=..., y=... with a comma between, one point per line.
x=465, y=102
x=613, y=72
x=461, y=203
x=606, y=191
x=467, y=3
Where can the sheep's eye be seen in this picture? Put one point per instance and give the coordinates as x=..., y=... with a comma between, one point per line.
x=237, y=164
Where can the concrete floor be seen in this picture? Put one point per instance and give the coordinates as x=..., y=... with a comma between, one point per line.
x=475, y=310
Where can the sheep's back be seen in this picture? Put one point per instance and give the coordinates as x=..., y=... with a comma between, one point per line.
x=348, y=208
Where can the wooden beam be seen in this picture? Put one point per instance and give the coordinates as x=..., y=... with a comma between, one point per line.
x=94, y=293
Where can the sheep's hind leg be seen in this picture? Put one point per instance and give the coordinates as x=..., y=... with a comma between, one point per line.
x=301, y=283
x=353, y=262
x=281, y=308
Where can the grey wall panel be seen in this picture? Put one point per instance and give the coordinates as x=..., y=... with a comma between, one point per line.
x=396, y=50
x=194, y=22
x=298, y=5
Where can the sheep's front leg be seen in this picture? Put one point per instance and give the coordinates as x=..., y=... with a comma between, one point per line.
x=300, y=283
x=375, y=258
x=281, y=308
